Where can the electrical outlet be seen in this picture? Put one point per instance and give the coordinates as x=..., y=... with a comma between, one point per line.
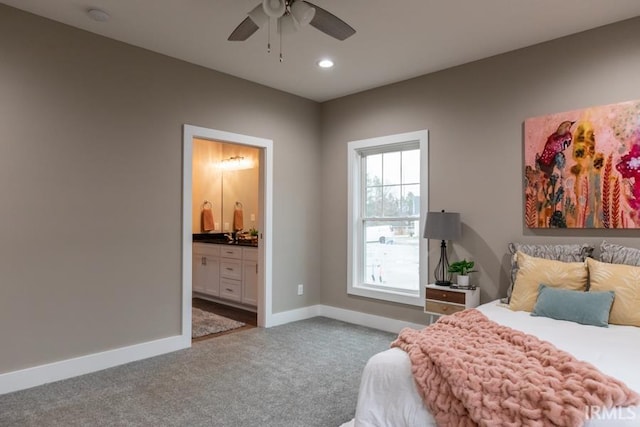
x=300, y=289
x=217, y=226
x=253, y=217
x=226, y=226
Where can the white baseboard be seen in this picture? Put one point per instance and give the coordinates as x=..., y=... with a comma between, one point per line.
x=294, y=315
x=363, y=319
x=370, y=320
x=43, y=374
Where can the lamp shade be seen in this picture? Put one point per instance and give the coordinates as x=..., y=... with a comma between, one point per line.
x=287, y=25
x=443, y=226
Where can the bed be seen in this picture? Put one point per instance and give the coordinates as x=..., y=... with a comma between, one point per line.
x=389, y=396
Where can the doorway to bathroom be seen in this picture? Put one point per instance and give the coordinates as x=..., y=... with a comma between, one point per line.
x=246, y=247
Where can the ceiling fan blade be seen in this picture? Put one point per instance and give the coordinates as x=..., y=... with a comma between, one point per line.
x=330, y=24
x=243, y=31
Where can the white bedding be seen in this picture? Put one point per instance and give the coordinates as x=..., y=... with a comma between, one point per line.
x=388, y=395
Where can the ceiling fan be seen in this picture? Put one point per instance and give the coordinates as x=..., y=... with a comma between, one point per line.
x=291, y=15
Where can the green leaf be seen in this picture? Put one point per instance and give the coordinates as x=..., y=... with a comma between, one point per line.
x=462, y=267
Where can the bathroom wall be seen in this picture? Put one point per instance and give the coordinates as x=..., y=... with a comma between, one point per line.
x=240, y=185
x=206, y=182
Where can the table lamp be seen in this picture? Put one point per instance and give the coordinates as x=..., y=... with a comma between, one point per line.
x=444, y=226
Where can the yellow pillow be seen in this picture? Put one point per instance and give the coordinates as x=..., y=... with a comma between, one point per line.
x=534, y=271
x=622, y=279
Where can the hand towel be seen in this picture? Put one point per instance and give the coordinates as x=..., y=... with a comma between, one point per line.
x=207, y=217
x=238, y=218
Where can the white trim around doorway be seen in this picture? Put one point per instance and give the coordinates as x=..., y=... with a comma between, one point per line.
x=264, y=250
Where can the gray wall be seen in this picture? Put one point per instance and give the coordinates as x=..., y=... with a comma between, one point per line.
x=475, y=114
x=90, y=173
x=90, y=179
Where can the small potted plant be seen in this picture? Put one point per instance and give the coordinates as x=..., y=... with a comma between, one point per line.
x=462, y=269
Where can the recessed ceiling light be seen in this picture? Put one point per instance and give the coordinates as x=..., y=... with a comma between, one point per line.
x=325, y=63
x=98, y=15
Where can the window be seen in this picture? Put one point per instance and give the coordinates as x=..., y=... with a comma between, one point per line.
x=387, y=194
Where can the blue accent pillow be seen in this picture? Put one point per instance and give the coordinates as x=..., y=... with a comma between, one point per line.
x=587, y=308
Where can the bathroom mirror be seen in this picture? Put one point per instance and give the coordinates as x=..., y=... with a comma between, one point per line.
x=224, y=174
x=240, y=191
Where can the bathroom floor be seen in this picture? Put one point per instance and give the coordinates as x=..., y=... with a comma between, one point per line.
x=248, y=317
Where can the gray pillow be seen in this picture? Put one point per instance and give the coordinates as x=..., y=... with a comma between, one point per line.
x=587, y=308
x=618, y=254
x=566, y=253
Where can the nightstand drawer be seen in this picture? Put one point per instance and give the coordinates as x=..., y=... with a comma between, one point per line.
x=442, y=307
x=446, y=296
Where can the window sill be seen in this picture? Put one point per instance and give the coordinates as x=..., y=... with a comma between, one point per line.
x=387, y=295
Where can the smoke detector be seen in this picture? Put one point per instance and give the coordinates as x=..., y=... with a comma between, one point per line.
x=98, y=15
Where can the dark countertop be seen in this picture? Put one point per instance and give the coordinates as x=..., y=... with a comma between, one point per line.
x=221, y=239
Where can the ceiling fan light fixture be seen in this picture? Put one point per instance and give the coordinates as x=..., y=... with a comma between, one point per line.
x=287, y=25
x=274, y=8
x=302, y=13
x=290, y=15
x=258, y=16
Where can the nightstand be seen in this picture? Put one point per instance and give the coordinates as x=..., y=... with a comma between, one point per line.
x=442, y=300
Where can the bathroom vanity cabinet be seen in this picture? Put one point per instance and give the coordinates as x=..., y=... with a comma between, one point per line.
x=226, y=272
x=206, y=269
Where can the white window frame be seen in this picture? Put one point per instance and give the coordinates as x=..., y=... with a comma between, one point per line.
x=355, y=231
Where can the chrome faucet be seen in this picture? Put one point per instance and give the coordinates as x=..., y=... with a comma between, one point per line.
x=232, y=237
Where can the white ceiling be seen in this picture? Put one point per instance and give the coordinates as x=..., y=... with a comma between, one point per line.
x=395, y=40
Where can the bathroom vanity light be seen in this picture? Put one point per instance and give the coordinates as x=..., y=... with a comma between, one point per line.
x=236, y=163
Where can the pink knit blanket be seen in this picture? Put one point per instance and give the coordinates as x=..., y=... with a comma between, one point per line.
x=472, y=371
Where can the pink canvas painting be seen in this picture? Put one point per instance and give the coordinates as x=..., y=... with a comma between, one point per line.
x=582, y=168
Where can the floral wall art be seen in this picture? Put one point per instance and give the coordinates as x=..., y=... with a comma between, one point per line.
x=582, y=168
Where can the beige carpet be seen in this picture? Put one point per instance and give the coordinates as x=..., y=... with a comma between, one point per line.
x=207, y=323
